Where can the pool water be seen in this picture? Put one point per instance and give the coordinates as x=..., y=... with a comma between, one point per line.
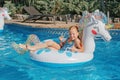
x=13, y=66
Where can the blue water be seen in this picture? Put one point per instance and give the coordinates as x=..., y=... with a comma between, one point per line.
x=13, y=66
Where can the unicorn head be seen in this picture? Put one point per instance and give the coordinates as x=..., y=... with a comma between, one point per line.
x=4, y=13
x=97, y=27
x=93, y=28
x=100, y=29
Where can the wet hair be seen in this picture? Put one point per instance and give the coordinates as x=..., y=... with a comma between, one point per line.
x=76, y=27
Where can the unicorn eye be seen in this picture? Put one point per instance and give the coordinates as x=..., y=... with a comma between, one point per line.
x=96, y=28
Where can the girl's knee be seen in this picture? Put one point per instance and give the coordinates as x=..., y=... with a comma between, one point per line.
x=33, y=35
x=49, y=42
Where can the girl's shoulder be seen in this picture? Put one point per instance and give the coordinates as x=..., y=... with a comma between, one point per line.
x=78, y=40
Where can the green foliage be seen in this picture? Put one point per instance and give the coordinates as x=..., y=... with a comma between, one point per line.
x=42, y=6
x=11, y=7
x=113, y=7
x=59, y=7
x=93, y=5
x=19, y=8
x=56, y=6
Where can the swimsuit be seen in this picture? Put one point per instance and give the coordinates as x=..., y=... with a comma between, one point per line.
x=67, y=45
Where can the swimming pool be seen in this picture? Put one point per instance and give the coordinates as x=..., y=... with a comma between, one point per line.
x=104, y=66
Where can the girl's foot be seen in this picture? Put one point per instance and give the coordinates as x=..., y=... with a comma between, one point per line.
x=19, y=48
x=23, y=46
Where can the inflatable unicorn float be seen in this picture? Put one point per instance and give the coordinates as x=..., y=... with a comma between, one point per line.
x=3, y=14
x=93, y=28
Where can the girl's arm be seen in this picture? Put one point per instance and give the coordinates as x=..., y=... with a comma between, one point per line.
x=74, y=49
x=80, y=50
x=78, y=47
x=78, y=44
x=62, y=40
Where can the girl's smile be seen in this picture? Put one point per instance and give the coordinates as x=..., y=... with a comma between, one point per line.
x=73, y=33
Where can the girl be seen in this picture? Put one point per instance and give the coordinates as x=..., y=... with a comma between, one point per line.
x=72, y=43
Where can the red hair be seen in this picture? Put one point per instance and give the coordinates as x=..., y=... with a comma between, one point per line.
x=76, y=27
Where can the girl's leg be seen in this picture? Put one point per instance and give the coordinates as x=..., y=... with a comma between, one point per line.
x=52, y=45
x=32, y=39
x=33, y=43
x=48, y=44
x=18, y=49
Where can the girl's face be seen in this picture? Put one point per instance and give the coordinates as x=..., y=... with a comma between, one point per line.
x=73, y=33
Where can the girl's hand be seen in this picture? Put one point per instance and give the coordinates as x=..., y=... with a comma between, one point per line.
x=73, y=49
x=61, y=38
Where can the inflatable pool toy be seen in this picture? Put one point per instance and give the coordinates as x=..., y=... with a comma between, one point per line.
x=101, y=16
x=85, y=19
x=3, y=14
x=95, y=27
